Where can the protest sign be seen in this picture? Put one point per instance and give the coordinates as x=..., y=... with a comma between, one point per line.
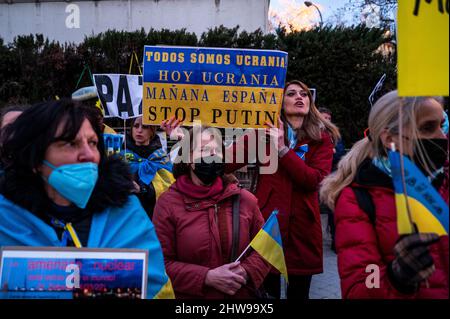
x=423, y=47
x=113, y=143
x=71, y=273
x=120, y=94
x=218, y=87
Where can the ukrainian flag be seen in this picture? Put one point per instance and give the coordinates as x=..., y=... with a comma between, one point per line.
x=156, y=169
x=267, y=243
x=429, y=212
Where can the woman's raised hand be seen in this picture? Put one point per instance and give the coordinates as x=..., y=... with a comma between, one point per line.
x=276, y=133
x=172, y=128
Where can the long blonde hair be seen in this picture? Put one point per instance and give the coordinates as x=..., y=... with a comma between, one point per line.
x=314, y=123
x=384, y=116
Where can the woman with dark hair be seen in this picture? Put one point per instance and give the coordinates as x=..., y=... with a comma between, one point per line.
x=57, y=177
x=149, y=162
x=204, y=221
x=305, y=153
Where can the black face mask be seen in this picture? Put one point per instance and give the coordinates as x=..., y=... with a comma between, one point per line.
x=208, y=172
x=436, y=150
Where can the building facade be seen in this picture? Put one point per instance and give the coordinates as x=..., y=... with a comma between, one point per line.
x=71, y=21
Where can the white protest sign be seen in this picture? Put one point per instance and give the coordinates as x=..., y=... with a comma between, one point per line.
x=120, y=94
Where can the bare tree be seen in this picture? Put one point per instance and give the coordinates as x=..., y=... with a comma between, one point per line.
x=384, y=8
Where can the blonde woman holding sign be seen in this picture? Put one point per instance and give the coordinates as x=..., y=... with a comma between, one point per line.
x=373, y=260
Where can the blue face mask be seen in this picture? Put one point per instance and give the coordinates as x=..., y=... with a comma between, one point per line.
x=75, y=182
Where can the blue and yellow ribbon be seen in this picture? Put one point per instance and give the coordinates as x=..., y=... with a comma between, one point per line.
x=69, y=233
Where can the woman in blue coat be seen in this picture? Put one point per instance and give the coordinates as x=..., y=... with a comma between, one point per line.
x=57, y=178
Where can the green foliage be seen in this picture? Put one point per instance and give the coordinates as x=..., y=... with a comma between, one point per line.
x=343, y=64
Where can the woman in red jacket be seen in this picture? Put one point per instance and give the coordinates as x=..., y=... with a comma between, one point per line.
x=194, y=223
x=412, y=266
x=305, y=155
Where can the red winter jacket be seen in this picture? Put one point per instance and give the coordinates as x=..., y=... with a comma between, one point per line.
x=192, y=236
x=293, y=190
x=359, y=243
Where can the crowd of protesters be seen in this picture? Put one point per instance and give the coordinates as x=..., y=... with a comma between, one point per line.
x=55, y=172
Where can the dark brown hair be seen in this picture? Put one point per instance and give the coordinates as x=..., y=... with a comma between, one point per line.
x=26, y=140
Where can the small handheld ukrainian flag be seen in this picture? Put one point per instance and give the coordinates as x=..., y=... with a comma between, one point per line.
x=427, y=209
x=267, y=243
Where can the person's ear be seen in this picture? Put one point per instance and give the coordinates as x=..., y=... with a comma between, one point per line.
x=386, y=138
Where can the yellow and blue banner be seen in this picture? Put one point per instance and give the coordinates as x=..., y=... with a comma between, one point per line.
x=218, y=87
x=428, y=210
x=268, y=244
x=423, y=47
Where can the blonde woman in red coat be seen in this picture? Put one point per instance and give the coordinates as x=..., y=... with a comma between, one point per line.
x=414, y=266
x=194, y=223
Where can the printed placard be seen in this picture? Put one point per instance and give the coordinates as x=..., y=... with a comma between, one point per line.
x=218, y=87
x=72, y=273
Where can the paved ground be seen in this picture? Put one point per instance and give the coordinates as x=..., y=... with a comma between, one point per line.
x=326, y=285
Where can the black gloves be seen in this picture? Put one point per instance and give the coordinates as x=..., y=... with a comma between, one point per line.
x=413, y=262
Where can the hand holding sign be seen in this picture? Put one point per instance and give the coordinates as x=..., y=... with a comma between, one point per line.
x=276, y=133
